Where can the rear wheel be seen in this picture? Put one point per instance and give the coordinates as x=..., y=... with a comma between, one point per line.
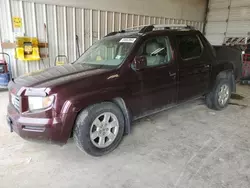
x=99, y=128
x=219, y=98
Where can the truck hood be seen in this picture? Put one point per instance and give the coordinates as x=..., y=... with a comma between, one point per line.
x=57, y=75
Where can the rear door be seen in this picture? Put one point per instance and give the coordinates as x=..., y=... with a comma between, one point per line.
x=194, y=67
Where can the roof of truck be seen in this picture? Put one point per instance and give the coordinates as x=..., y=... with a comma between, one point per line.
x=154, y=29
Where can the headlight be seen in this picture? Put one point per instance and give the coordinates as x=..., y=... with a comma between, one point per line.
x=36, y=103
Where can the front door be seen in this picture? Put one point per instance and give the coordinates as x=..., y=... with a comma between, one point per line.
x=158, y=79
x=194, y=67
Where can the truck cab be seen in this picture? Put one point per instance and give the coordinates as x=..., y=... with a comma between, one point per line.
x=125, y=76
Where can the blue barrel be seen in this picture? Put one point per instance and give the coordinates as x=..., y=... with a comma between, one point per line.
x=4, y=80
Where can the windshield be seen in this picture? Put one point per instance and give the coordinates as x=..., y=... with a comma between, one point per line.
x=108, y=52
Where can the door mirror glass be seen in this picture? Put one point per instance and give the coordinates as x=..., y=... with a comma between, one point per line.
x=139, y=63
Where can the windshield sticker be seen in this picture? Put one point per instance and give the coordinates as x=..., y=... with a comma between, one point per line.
x=127, y=40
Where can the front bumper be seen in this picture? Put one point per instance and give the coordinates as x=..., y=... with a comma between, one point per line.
x=49, y=129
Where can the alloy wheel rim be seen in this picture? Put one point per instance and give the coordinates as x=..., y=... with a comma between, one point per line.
x=104, y=130
x=223, y=94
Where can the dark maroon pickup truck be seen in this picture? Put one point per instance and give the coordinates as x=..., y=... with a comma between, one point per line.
x=125, y=76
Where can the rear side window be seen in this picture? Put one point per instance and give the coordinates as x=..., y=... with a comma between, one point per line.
x=189, y=46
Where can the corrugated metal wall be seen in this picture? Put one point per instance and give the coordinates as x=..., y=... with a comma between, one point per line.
x=179, y=9
x=62, y=25
x=227, y=18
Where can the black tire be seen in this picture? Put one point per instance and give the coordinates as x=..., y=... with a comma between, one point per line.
x=212, y=98
x=83, y=124
x=208, y=100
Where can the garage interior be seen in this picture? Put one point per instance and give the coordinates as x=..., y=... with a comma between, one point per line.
x=189, y=146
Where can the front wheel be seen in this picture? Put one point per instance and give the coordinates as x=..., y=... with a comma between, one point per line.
x=219, y=98
x=99, y=128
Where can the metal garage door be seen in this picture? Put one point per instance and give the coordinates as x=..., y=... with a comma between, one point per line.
x=227, y=18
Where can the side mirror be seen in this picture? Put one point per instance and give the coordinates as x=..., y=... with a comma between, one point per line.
x=140, y=62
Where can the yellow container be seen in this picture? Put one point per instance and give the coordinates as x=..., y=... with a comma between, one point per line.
x=60, y=63
x=27, y=49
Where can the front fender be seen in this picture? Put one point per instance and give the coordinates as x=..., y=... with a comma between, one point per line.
x=84, y=100
x=81, y=101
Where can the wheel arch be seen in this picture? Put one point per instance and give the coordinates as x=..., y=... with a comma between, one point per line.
x=126, y=112
x=224, y=70
x=228, y=74
x=119, y=101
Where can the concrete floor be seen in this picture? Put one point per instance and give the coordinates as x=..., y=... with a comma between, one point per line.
x=186, y=147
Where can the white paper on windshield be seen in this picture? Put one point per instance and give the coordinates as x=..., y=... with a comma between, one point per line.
x=127, y=40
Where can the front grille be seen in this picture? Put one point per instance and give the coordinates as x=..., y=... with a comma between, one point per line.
x=15, y=100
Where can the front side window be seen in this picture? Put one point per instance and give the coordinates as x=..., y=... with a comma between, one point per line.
x=109, y=52
x=189, y=46
x=157, y=51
